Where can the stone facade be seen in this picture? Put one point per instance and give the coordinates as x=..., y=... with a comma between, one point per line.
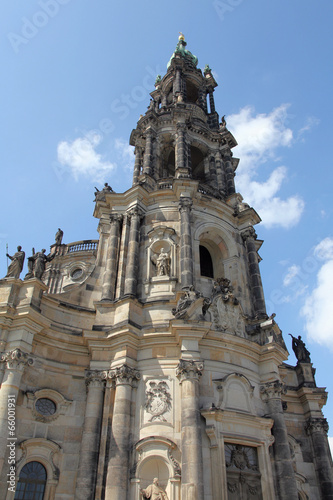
x=148, y=353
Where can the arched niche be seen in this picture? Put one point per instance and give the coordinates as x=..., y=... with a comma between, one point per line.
x=235, y=393
x=159, y=457
x=161, y=281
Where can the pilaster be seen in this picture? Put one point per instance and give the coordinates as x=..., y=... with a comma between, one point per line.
x=186, y=259
x=317, y=429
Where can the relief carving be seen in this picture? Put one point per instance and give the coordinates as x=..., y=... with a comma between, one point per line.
x=158, y=400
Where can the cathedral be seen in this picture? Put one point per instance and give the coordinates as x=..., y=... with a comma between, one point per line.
x=143, y=364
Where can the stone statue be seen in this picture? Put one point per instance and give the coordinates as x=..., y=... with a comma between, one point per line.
x=184, y=302
x=162, y=263
x=100, y=195
x=58, y=237
x=154, y=491
x=16, y=265
x=37, y=264
x=301, y=352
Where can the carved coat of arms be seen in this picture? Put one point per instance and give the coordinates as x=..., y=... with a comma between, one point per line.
x=158, y=400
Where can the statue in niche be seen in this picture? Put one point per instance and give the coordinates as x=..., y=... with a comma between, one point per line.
x=16, y=266
x=162, y=263
x=58, y=237
x=301, y=352
x=154, y=491
x=37, y=263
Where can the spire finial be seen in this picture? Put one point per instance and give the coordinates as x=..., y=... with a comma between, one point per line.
x=181, y=36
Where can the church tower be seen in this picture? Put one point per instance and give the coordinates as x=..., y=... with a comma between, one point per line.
x=144, y=364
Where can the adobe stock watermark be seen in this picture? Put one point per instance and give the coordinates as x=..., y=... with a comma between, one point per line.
x=294, y=283
x=120, y=107
x=225, y=7
x=11, y=445
x=31, y=27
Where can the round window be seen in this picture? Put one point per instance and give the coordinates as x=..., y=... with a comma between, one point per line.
x=77, y=273
x=45, y=406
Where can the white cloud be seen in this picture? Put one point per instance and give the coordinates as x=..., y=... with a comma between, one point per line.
x=317, y=310
x=82, y=159
x=291, y=273
x=324, y=249
x=310, y=123
x=259, y=138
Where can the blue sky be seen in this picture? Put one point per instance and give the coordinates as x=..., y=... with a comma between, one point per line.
x=76, y=76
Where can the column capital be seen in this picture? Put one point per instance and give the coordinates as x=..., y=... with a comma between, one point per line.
x=95, y=378
x=124, y=375
x=185, y=204
x=249, y=233
x=116, y=218
x=313, y=425
x=135, y=212
x=272, y=390
x=16, y=359
x=188, y=369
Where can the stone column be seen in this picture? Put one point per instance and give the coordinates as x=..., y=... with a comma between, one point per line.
x=148, y=153
x=89, y=453
x=249, y=236
x=118, y=467
x=188, y=373
x=317, y=430
x=212, y=172
x=110, y=273
x=123, y=252
x=132, y=268
x=177, y=85
x=229, y=174
x=137, y=164
x=182, y=169
x=211, y=101
x=186, y=260
x=203, y=98
x=286, y=482
x=219, y=173
x=14, y=361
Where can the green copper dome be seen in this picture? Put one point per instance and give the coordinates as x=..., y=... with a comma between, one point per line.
x=182, y=52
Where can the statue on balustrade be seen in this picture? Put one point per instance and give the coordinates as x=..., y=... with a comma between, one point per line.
x=301, y=352
x=37, y=263
x=58, y=237
x=16, y=266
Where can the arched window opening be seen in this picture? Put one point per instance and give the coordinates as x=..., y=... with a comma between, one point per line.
x=206, y=263
x=197, y=162
x=31, y=483
x=191, y=92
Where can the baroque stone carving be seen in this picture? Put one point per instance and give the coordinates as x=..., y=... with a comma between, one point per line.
x=189, y=296
x=241, y=457
x=37, y=263
x=272, y=390
x=176, y=466
x=95, y=377
x=124, y=374
x=189, y=369
x=154, y=491
x=16, y=359
x=162, y=262
x=58, y=237
x=316, y=425
x=301, y=352
x=158, y=400
x=16, y=266
x=225, y=311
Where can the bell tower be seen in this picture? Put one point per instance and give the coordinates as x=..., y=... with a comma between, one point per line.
x=144, y=364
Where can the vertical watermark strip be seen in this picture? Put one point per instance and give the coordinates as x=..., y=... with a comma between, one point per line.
x=11, y=414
